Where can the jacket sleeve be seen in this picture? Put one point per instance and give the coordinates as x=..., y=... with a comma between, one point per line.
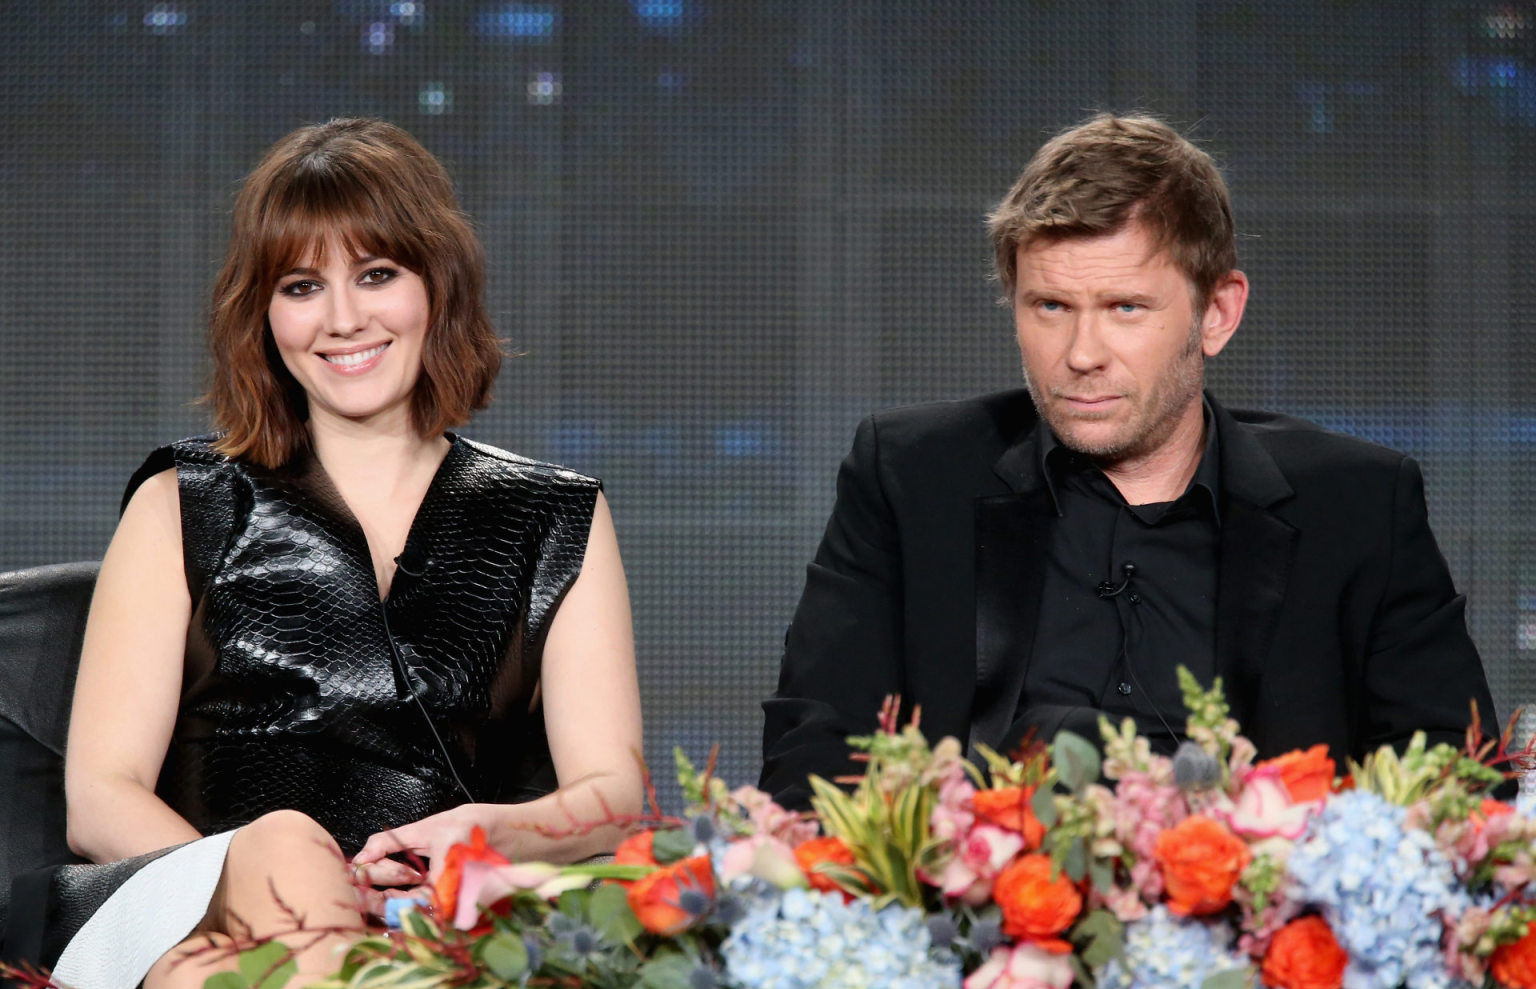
x=843, y=650
x=1422, y=671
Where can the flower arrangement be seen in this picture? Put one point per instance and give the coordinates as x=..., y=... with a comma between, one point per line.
x=1058, y=867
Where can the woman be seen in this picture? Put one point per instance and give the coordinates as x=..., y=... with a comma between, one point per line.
x=332, y=620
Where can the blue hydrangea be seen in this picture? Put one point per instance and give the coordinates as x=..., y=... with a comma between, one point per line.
x=1163, y=950
x=806, y=939
x=1382, y=889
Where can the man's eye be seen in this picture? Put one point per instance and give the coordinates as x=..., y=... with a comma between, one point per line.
x=1127, y=307
x=300, y=288
x=1049, y=306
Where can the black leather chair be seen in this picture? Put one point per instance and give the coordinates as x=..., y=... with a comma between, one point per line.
x=42, y=622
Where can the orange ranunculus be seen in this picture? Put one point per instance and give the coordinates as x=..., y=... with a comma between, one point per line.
x=1036, y=907
x=1009, y=808
x=1308, y=775
x=1514, y=964
x=1305, y=955
x=657, y=899
x=1200, y=860
x=809, y=854
x=446, y=890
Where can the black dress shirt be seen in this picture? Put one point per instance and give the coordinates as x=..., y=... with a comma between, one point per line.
x=1129, y=594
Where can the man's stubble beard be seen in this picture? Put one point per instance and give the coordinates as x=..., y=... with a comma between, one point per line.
x=1154, y=417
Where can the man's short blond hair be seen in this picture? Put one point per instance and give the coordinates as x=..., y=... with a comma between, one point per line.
x=1096, y=177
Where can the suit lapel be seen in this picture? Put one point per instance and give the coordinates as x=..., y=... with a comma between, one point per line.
x=1011, y=530
x=1258, y=550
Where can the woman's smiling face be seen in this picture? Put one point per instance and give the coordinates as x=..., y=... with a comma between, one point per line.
x=350, y=331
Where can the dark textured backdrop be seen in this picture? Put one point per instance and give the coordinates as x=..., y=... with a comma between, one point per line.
x=724, y=231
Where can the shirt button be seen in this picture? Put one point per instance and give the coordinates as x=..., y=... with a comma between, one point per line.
x=1134, y=598
x=1124, y=688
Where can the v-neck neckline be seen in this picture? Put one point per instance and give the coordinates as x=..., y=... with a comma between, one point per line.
x=323, y=488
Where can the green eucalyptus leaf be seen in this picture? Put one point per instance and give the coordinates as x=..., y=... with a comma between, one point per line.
x=1099, y=937
x=669, y=971
x=1101, y=874
x=1076, y=862
x=573, y=903
x=269, y=966
x=505, y=955
x=1232, y=978
x=1043, y=805
x=1076, y=760
x=611, y=915
x=226, y=980
x=672, y=846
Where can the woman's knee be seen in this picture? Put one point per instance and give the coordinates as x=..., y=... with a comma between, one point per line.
x=283, y=835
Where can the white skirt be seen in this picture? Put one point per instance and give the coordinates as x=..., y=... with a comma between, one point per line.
x=149, y=914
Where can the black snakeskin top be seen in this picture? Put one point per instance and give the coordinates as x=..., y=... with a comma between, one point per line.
x=303, y=690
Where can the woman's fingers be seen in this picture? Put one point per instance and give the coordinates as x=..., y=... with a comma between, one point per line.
x=385, y=843
x=386, y=872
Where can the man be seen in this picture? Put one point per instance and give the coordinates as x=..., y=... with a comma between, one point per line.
x=1029, y=560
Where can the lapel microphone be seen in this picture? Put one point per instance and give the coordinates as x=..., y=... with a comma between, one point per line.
x=1106, y=589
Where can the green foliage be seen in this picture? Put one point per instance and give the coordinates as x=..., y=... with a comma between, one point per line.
x=1076, y=761
x=1098, y=937
x=672, y=845
x=1232, y=978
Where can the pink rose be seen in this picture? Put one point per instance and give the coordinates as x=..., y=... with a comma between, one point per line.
x=977, y=861
x=1023, y=966
x=765, y=857
x=953, y=815
x=1264, y=808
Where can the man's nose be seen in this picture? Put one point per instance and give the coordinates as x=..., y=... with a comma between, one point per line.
x=1086, y=348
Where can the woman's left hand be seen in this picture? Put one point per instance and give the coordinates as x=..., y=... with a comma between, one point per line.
x=427, y=839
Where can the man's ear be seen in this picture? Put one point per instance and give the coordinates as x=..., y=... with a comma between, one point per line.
x=1224, y=312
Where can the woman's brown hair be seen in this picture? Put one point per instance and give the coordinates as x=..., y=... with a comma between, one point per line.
x=375, y=190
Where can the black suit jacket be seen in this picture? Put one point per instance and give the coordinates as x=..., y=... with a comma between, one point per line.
x=1336, y=617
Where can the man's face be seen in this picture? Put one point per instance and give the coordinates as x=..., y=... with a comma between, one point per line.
x=1113, y=349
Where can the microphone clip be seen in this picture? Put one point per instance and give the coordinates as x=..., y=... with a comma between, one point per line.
x=1107, y=589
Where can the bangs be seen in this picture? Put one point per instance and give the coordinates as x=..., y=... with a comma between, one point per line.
x=298, y=227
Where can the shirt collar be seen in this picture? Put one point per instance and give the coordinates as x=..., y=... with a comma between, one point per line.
x=1054, y=458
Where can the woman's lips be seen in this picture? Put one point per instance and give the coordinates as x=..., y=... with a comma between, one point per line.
x=355, y=361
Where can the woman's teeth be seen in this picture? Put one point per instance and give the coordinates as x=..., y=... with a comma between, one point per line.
x=347, y=360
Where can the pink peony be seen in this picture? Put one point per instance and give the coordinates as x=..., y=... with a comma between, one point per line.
x=1264, y=808
x=1023, y=966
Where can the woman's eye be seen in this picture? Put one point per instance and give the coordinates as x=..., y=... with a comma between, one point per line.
x=377, y=276
x=299, y=289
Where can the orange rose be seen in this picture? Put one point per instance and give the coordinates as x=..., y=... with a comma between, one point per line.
x=1036, y=907
x=1514, y=964
x=446, y=890
x=1009, y=808
x=636, y=850
x=1307, y=775
x=657, y=899
x=809, y=854
x=1305, y=955
x=1200, y=861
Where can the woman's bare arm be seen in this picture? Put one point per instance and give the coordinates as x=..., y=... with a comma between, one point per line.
x=592, y=718
x=129, y=685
